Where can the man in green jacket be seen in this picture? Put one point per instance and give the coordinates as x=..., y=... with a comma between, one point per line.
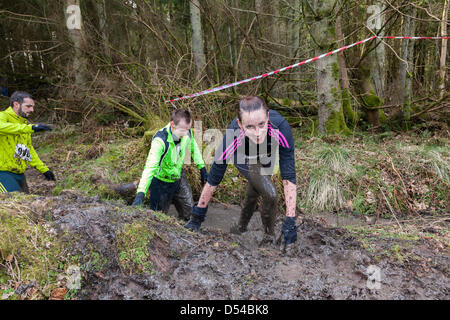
x=16, y=150
x=163, y=172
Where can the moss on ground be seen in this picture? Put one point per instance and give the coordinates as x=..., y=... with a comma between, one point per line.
x=30, y=252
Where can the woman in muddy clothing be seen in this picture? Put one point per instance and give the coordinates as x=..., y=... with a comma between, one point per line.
x=251, y=143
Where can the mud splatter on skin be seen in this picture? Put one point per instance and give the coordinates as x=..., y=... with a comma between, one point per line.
x=325, y=263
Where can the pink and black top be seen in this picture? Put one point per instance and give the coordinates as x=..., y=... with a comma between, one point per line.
x=239, y=150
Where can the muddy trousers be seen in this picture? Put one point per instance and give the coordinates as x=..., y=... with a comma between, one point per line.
x=163, y=194
x=259, y=185
x=10, y=182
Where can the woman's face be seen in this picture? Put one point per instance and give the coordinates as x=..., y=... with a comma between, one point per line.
x=255, y=124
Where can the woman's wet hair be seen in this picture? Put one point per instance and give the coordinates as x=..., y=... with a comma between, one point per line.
x=249, y=104
x=179, y=114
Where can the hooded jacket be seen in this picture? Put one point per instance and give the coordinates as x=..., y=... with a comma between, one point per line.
x=16, y=150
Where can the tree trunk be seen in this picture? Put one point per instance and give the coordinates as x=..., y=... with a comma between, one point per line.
x=407, y=64
x=323, y=31
x=295, y=38
x=371, y=101
x=378, y=55
x=443, y=49
x=100, y=6
x=347, y=105
x=74, y=26
x=197, y=37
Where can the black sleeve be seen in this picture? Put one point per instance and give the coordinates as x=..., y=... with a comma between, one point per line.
x=287, y=155
x=216, y=173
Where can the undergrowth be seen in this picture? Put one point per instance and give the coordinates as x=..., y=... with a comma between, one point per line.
x=381, y=174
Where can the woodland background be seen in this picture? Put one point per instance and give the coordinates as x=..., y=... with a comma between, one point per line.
x=116, y=57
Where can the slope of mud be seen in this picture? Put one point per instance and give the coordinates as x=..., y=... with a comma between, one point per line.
x=325, y=263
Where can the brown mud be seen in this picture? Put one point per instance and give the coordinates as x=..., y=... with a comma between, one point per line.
x=327, y=262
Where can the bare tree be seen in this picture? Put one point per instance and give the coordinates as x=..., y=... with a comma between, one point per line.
x=331, y=116
x=407, y=64
x=443, y=49
x=74, y=26
x=100, y=7
x=197, y=37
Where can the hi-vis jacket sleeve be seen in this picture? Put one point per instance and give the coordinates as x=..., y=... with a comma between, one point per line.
x=35, y=161
x=196, y=153
x=14, y=128
x=152, y=164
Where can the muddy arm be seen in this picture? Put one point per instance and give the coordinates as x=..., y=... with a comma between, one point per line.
x=205, y=197
x=290, y=194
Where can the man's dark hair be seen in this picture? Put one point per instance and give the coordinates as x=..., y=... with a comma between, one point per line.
x=251, y=103
x=179, y=114
x=19, y=96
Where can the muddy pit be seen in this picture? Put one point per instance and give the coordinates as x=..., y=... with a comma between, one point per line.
x=325, y=263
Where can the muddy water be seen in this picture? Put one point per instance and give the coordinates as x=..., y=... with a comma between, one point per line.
x=222, y=216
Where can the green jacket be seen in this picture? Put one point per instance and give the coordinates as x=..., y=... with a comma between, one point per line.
x=16, y=150
x=164, y=162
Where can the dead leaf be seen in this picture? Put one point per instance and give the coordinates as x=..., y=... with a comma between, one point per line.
x=9, y=258
x=58, y=294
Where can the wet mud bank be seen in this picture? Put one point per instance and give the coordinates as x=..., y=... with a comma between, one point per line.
x=129, y=253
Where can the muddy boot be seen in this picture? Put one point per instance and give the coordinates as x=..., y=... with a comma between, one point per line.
x=268, y=239
x=250, y=203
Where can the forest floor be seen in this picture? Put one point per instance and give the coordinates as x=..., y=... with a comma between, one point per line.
x=390, y=240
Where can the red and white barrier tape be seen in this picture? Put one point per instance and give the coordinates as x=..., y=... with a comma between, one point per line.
x=294, y=66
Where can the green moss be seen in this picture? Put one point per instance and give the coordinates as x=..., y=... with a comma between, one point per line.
x=336, y=124
x=29, y=251
x=95, y=261
x=383, y=116
x=351, y=116
x=133, y=242
x=335, y=70
x=371, y=100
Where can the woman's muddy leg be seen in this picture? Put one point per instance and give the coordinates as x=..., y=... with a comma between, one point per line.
x=265, y=187
x=249, y=207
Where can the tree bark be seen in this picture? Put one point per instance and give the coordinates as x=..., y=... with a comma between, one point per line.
x=406, y=70
x=378, y=55
x=197, y=37
x=100, y=7
x=442, y=81
x=331, y=116
x=74, y=26
x=347, y=104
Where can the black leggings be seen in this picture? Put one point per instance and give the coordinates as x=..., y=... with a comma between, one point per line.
x=163, y=194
